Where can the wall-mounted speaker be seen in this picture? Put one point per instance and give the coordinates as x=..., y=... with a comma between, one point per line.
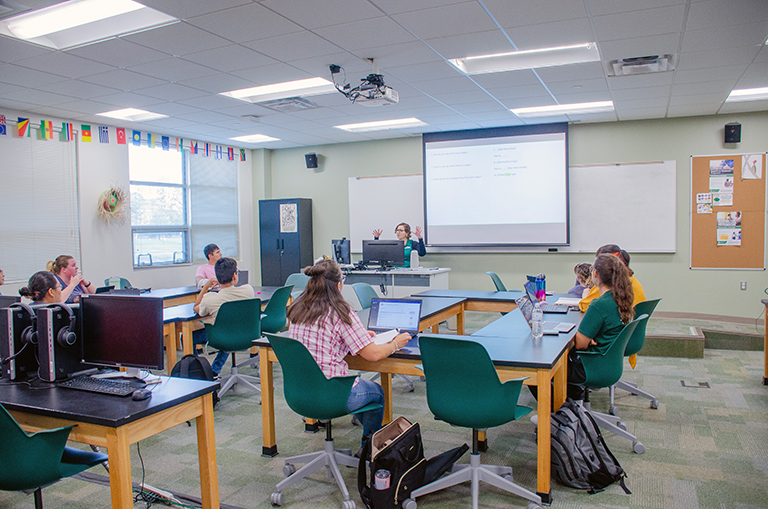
x=733, y=132
x=311, y=160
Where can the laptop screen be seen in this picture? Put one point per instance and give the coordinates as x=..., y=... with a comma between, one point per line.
x=526, y=307
x=242, y=278
x=530, y=290
x=387, y=314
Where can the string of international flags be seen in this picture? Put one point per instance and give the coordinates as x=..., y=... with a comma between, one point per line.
x=24, y=129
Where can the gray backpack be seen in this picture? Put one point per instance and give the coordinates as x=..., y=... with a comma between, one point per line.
x=580, y=457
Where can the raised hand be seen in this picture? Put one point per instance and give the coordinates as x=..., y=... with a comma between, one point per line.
x=377, y=233
x=417, y=232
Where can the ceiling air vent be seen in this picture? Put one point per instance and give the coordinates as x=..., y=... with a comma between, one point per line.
x=289, y=104
x=641, y=65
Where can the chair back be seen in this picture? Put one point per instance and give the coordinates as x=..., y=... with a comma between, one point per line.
x=637, y=340
x=497, y=282
x=29, y=461
x=604, y=370
x=238, y=324
x=307, y=391
x=463, y=387
x=365, y=294
x=118, y=282
x=298, y=280
x=273, y=318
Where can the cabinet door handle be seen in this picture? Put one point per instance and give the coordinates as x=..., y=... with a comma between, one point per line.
x=278, y=243
x=282, y=242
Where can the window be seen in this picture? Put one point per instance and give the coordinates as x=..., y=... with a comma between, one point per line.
x=179, y=204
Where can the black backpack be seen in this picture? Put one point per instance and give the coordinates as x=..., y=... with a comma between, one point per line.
x=198, y=368
x=580, y=457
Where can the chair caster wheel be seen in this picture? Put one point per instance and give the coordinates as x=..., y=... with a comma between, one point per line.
x=638, y=448
x=533, y=505
x=613, y=410
x=409, y=503
x=276, y=498
x=348, y=504
x=655, y=404
x=508, y=477
x=288, y=470
x=355, y=421
x=409, y=388
x=622, y=425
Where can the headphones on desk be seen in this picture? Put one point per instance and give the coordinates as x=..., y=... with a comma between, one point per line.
x=29, y=334
x=66, y=335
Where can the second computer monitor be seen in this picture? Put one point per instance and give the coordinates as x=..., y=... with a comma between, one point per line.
x=341, y=251
x=385, y=253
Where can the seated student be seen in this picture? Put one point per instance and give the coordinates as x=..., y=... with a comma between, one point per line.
x=73, y=285
x=403, y=232
x=322, y=320
x=43, y=288
x=206, y=271
x=604, y=319
x=209, y=303
x=637, y=288
x=583, y=280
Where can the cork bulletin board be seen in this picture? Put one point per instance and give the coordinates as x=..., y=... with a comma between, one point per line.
x=714, y=247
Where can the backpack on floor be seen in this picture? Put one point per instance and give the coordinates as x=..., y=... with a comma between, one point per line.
x=580, y=457
x=198, y=368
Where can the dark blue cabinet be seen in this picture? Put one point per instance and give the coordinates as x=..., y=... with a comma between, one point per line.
x=285, y=227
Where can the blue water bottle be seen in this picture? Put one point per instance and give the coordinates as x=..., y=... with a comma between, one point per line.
x=541, y=287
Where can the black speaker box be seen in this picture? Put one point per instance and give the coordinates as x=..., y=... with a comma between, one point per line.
x=311, y=160
x=17, y=326
x=733, y=133
x=58, y=344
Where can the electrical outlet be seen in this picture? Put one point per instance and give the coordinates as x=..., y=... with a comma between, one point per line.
x=743, y=285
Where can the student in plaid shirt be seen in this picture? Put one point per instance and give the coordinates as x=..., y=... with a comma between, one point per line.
x=329, y=328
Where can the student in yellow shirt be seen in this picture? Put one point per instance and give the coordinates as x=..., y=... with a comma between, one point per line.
x=637, y=288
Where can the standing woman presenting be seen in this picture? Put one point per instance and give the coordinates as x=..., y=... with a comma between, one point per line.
x=403, y=232
x=73, y=285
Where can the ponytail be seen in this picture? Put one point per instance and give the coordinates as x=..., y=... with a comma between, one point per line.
x=615, y=275
x=61, y=262
x=321, y=295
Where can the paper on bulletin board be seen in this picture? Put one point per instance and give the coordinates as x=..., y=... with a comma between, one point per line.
x=721, y=182
x=752, y=167
x=703, y=203
x=729, y=228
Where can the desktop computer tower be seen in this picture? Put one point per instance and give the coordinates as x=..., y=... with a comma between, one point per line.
x=17, y=341
x=58, y=343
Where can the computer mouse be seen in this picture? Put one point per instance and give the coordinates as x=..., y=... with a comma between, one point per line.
x=141, y=394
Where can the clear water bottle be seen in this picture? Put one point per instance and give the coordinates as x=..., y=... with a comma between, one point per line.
x=537, y=320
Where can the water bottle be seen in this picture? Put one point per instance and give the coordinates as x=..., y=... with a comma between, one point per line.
x=537, y=320
x=541, y=287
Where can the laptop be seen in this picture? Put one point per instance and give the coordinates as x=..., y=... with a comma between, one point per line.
x=393, y=316
x=242, y=278
x=105, y=289
x=551, y=327
x=530, y=290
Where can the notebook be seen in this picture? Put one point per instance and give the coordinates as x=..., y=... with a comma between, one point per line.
x=530, y=290
x=550, y=327
x=390, y=317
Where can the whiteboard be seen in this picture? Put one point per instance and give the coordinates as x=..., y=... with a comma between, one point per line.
x=633, y=205
x=383, y=203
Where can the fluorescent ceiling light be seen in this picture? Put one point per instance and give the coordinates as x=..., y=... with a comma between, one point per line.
x=381, y=125
x=309, y=86
x=132, y=114
x=79, y=22
x=747, y=94
x=255, y=138
x=529, y=59
x=563, y=109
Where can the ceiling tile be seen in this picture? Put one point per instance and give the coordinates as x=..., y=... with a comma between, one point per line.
x=546, y=35
x=571, y=73
x=446, y=20
x=123, y=80
x=533, y=12
x=659, y=21
x=127, y=100
x=723, y=37
x=173, y=108
x=641, y=80
x=713, y=14
x=295, y=46
x=171, y=92
x=365, y=34
x=717, y=58
x=210, y=102
x=173, y=69
x=730, y=72
x=178, y=39
x=468, y=45
x=703, y=87
x=691, y=110
x=246, y=23
x=506, y=79
x=78, y=88
x=230, y=58
x=30, y=95
x=578, y=86
x=708, y=99
x=87, y=107
x=206, y=117
x=422, y=72
x=398, y=6
x=182, y=9
x=744, y=107
x=323, y=13
x=600, y=7
x=641, y=113
x=13, y=50
x=640, y=93
x=269, y=74
x=118, y=52
x=64, y=64
x=639, y=47
x=16, y=75
x=217, y=83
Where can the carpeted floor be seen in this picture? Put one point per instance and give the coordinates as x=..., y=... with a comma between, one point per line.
x=706, y=446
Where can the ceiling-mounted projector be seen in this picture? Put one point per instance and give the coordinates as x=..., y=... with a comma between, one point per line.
x=370, y=92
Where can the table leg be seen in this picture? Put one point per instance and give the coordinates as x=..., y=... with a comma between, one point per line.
x=121, y=487
x=266, y=376
x=170, y=345
x=187, y=344
x=460, y=322
x=206, y=454
x=543, y=440
x=561, y=382
x=436, y=329
x=386, y=384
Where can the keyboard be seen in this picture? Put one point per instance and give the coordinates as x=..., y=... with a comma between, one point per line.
x=103, y=385
x=553, y=308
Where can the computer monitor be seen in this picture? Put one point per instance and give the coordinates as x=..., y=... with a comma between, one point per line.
x=386, y=253
x=7, y=300
x=122, y=331
x=341, y=251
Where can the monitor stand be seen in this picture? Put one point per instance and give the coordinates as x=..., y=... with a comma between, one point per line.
x=130, y=373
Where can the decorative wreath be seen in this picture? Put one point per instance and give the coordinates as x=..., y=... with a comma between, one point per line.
x=112, y=203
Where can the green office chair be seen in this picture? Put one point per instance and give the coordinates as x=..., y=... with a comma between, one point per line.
x=298, y=280
x=463, y=389
x=310, y=394
x=604, y=370
x=365, y=294
x=497, y=282
x=119, y=283
x=635, y=344
x=273, y=318
x=237, y=325
x=31, y=461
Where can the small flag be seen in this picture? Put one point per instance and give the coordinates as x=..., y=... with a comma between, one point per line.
x=67, y=131
x=231, y=153
x=103, y=134
x=207, y=150
x=85, y=133
x=166, y=143
x=242, y=155
x=179, y=144
x=23, y=125
x=3, y=127
x=151, y=138
x=193, y=147
x=218, y=152
x=120, y=135
x=137, y=138
x=46, y=129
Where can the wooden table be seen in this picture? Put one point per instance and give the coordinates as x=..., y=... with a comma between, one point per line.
x=174, y=296
x=117, y=422
x=765, y=348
